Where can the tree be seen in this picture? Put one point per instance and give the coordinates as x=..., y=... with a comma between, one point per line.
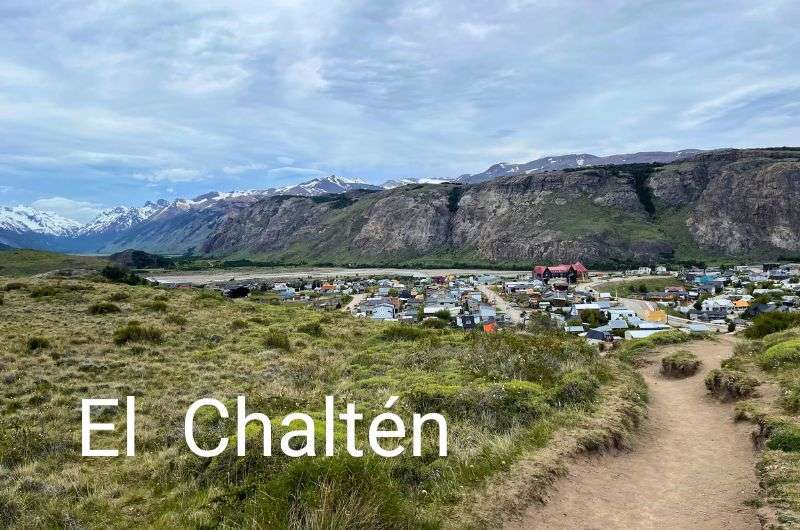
x=594, y=317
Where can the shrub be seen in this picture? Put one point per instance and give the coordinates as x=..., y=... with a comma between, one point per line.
x=783, y=354
x=175, y=319
x=785, y=438
x=119, y=297
x=103, y=308
x=41, y=291
x=37, y=343
x=767, y=323
x=496, y=404
x=728, y=385
x=239, y=324
x=312, y=328
x=402, y=332
x=15, y=286
x=136, y=332
x=277, y=339
x=573, y=388
x=117, y=274
x=543, y=357
x=158, y=306
x=791, y=396
x=434, y=323
x=443, y=314
x=680, y=364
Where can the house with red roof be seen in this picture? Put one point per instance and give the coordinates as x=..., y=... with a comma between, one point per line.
x=572, y=272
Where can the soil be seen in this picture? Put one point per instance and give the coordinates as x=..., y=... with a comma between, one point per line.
x=692, y=466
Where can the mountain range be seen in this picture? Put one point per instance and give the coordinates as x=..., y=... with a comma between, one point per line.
x=694, y=205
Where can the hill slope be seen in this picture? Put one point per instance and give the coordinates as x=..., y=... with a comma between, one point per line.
x=724, y=204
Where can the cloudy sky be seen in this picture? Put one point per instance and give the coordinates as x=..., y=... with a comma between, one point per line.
x=105, y=103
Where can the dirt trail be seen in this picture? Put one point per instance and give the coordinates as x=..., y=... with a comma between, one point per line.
x=691, y=467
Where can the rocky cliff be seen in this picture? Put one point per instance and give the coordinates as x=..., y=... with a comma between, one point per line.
x=724, y=203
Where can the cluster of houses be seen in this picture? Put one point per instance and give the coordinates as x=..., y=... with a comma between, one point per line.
x=452, y=298
x=700, y=298
x=734, y=295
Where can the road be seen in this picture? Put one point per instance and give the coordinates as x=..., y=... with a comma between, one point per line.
x=691, y=466
x=642, y=307
x=514, y=314
x=357, y=299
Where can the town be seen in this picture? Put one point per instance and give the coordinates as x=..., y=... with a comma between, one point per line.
x=603, y=307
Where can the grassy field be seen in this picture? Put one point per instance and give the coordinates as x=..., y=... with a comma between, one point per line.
x=506, y=397
x=27, y=262
x=637, y=287
x=767, y=372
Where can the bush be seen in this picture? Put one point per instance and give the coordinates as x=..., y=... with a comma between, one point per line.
x=117, y=274
x=781, y=355
x=785, y=438
x=103, y=308
x=41, y=291
x=542, y=358
x=574, y=388
x=177, y=320
x=15, y=286
x=403, y=332
x=37, y=343
x=496, y=404
x=767, y=323
x=158, y=305
x=443, y=314
x=680, y=364
x=277, y=339
x=728, y=385
x=135, y=332
x=791, y=396
x=312, y=328
x=435, y=323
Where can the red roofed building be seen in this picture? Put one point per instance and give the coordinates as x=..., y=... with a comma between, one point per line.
x=572, y=272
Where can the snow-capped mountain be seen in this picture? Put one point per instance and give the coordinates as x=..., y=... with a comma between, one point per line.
x=22, y=219
x=322, y=186
x=396, y=183
x=22, y=226
x=122, y=218
x=555, y=163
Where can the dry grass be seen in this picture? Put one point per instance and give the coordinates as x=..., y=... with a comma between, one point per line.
x=284, y=358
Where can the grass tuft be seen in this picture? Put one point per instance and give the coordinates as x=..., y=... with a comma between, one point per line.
x=136, y=332
x=680, y=364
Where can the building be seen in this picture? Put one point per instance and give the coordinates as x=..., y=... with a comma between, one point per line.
x=572, y=272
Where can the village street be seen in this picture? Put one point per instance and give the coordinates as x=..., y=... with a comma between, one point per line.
x=514, y=314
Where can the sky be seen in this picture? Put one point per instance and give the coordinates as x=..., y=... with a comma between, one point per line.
x=106, y=103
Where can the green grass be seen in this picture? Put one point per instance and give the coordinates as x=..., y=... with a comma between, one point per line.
x=773, y=358
x=628, y=288
x=27, y=262
x=284, y=358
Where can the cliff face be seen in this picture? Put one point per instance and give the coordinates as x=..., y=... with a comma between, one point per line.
x=719, y=203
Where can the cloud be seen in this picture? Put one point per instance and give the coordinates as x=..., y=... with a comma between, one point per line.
x=306, y=75
x=243, y=168
x=288, y=172
x=71, y=209
x=127, y=100
x=477, y=30
x=177, y=174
